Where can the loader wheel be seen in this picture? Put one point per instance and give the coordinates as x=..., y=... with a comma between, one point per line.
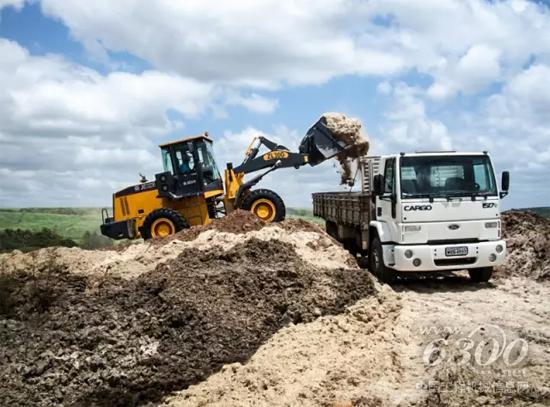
x=265, y=204
x=162, y=222
x=481, y=275
x=376, y=263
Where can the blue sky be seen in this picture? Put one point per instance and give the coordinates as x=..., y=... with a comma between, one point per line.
x=88, y=91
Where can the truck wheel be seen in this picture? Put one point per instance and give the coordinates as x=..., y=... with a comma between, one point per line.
x=376, y=263
x=163, y=222
x=265, y=204
x=481, y=275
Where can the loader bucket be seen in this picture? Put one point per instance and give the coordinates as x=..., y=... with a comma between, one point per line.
x=320, y=144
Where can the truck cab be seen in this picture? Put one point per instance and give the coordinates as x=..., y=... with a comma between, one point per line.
x=439, y=211
x=422, y=212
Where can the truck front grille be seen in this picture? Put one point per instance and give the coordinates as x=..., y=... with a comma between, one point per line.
x=463, y=261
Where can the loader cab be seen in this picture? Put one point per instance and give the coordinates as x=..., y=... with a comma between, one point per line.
x=189, y=169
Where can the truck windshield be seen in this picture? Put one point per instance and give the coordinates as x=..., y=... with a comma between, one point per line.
x=446, y=176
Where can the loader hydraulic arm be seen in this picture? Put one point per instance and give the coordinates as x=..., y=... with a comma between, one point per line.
x=278, y=154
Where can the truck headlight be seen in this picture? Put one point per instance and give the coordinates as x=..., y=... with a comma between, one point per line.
x=408, y=253
x=491, y=225
x=499, y=248
x=412, y=228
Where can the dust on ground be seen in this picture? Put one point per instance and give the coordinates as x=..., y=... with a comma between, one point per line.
x=347, y=129
x=86, y=338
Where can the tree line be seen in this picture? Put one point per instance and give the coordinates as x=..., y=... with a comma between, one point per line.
x=28, y=240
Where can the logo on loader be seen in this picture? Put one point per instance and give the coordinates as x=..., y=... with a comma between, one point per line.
x=275, y=155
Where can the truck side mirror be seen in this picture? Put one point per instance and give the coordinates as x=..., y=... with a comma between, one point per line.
x=505, y=183
x=378, y=185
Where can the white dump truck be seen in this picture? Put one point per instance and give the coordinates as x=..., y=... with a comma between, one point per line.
x=421, y=212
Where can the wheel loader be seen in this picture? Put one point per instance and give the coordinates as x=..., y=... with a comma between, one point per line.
x=191, y=191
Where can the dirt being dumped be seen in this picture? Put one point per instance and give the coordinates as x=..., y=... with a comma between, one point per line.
x=528, y=243
x=348, y=130
x=108, y=339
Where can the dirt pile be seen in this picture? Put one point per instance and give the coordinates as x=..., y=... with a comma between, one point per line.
x=528, y=242
x=126, y=339
x=342, y=360
x=348, y=130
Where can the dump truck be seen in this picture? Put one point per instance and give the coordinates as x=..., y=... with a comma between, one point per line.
x=191, y=191
x=421, y=212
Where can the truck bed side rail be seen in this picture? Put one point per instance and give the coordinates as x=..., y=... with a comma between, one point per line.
x=344, y=208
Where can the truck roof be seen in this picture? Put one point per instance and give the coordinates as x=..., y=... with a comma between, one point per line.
x=435, y=153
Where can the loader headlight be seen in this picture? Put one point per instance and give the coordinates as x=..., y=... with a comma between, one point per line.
x=412, y=228
x=499, y=248
x=491, y=225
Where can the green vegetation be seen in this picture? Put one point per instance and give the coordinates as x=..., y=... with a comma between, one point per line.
x=26, y=240
x=303, y=213
x=70, y=223
x=543, y=211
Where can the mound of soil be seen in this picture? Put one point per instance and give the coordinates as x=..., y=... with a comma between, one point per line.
x=528, y=242
x=238, y=221
x=73, y=340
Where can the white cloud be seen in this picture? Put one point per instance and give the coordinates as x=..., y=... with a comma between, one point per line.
x=253, y=102
x=61, y=123
x=408, y=127
x=258, y=43
x=13, y=3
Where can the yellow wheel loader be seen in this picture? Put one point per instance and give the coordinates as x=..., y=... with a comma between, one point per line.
x=191, y=190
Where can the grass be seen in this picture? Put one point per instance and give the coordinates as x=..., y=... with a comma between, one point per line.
x=303, y=213
x=70, y=223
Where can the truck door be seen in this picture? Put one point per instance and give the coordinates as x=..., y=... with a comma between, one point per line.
x=386, y=204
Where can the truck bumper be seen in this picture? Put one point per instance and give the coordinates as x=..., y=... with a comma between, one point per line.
x=437, y=257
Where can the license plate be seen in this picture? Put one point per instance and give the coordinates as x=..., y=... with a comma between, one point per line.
x=456, y=251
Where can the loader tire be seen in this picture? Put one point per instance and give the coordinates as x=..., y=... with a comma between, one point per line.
x=265, y=204
x=163, y=222
x=480, y=275
x=376, y=263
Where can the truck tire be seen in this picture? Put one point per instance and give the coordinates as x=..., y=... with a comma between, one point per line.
x=481, y=275
x=376, y=263
x=162, y=222
x=265, y=204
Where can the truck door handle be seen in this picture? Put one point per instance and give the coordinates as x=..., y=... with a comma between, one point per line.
x=379, y=211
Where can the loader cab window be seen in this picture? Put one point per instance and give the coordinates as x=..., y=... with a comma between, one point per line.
x=167, y=161
x=210, y=171
x=184, y=159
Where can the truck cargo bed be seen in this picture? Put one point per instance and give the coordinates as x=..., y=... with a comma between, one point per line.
x=343, y=208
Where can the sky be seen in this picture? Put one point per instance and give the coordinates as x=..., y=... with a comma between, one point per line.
x=88, y=90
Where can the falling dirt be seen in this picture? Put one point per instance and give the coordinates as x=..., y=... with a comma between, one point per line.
x=347, y=130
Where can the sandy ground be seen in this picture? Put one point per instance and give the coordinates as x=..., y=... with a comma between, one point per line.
x=400, y=349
